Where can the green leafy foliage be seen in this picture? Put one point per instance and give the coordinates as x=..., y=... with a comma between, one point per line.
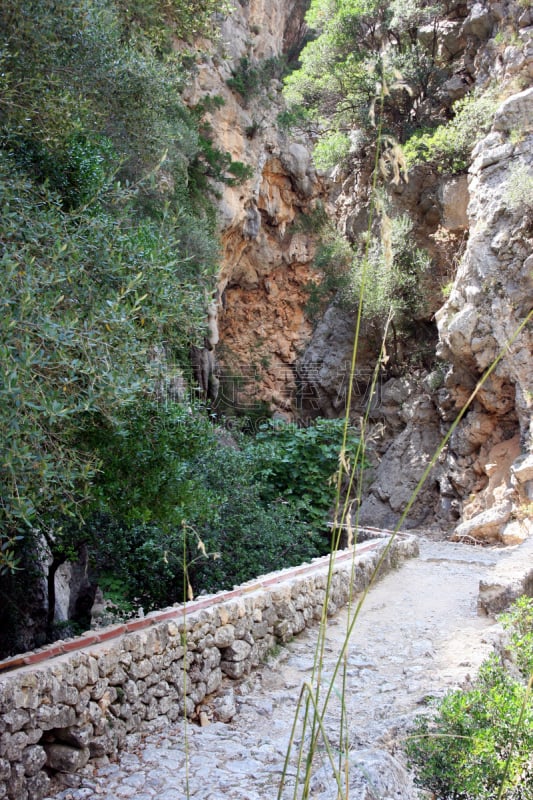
x=245, y=80
x=448, y=146
x=175, y=507
x=298, y=465
x=251, y=530
x=108, y=244
x=518, y=621
x=9, y=560
x=137, y=565
x=518, y=192
x=460, y=752
x=363, y=51
x=331, y=150
x=293, y=118
x=77, y=169
x=333, y=259
x=240, y=173
x=182, y=19
x=85, y=299
x=144, y=453
x=391, y=269
x=250, y=76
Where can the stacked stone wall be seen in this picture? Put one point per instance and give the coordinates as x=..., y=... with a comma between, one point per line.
x=81, y=699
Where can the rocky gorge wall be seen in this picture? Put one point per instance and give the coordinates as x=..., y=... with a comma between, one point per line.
x=481, y=486
x=81, y=699
x=491, y=298
x=478, y=230
x=258, y=324
x=265, y=353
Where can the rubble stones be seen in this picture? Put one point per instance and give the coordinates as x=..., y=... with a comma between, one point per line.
x=63, y=758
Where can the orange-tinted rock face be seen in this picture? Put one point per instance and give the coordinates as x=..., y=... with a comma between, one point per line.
x=262, y=330
x=259, y=325
x=266, y=270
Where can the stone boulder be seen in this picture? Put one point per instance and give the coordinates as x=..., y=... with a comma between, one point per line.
x=64, y=758
x=479, y=22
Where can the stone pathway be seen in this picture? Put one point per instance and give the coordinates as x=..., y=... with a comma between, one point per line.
x=418, y=635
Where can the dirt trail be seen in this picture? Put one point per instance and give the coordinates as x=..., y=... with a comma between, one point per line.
x=418, y=635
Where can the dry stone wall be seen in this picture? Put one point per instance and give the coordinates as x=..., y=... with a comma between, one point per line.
x=59, y=712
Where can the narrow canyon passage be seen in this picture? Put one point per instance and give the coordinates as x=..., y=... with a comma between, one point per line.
x=418, y=635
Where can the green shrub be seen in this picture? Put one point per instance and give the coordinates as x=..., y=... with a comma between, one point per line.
x=240, y=173
x=518, y=621
x=213, y=517
x=212, y=164
x=144, y=453
x=390, y=270
x=250, y=77
x=246, y=79
x=137, y=565
x=243, y=511
x=333, y=259
x=518, y=193
x=77, y=168
x=331, y=150
x=448, y=146
x=97, y=272
x=363, y=53
x=460, y=752
x=160, y=20
x=85, y=299
x=251, y=530
x=298, y=465
x=290, y=119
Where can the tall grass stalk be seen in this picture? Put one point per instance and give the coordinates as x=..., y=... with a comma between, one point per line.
x=337, y=530
x=186, y=596
x=344, y=523
x=314, y=698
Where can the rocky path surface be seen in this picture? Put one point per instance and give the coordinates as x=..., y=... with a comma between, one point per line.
x=418, y=635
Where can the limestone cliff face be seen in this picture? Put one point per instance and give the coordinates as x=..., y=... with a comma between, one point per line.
x=478, y=231
x=267, y=265
x=479, y=236
x=491, y=298
x=259, y=325
x=483, y=479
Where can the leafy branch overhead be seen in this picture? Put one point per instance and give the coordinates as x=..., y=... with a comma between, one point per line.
x=358, y=45
x=108, y=241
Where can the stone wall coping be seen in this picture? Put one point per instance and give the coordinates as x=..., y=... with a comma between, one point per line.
x=104, y=635
x=80, y=699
